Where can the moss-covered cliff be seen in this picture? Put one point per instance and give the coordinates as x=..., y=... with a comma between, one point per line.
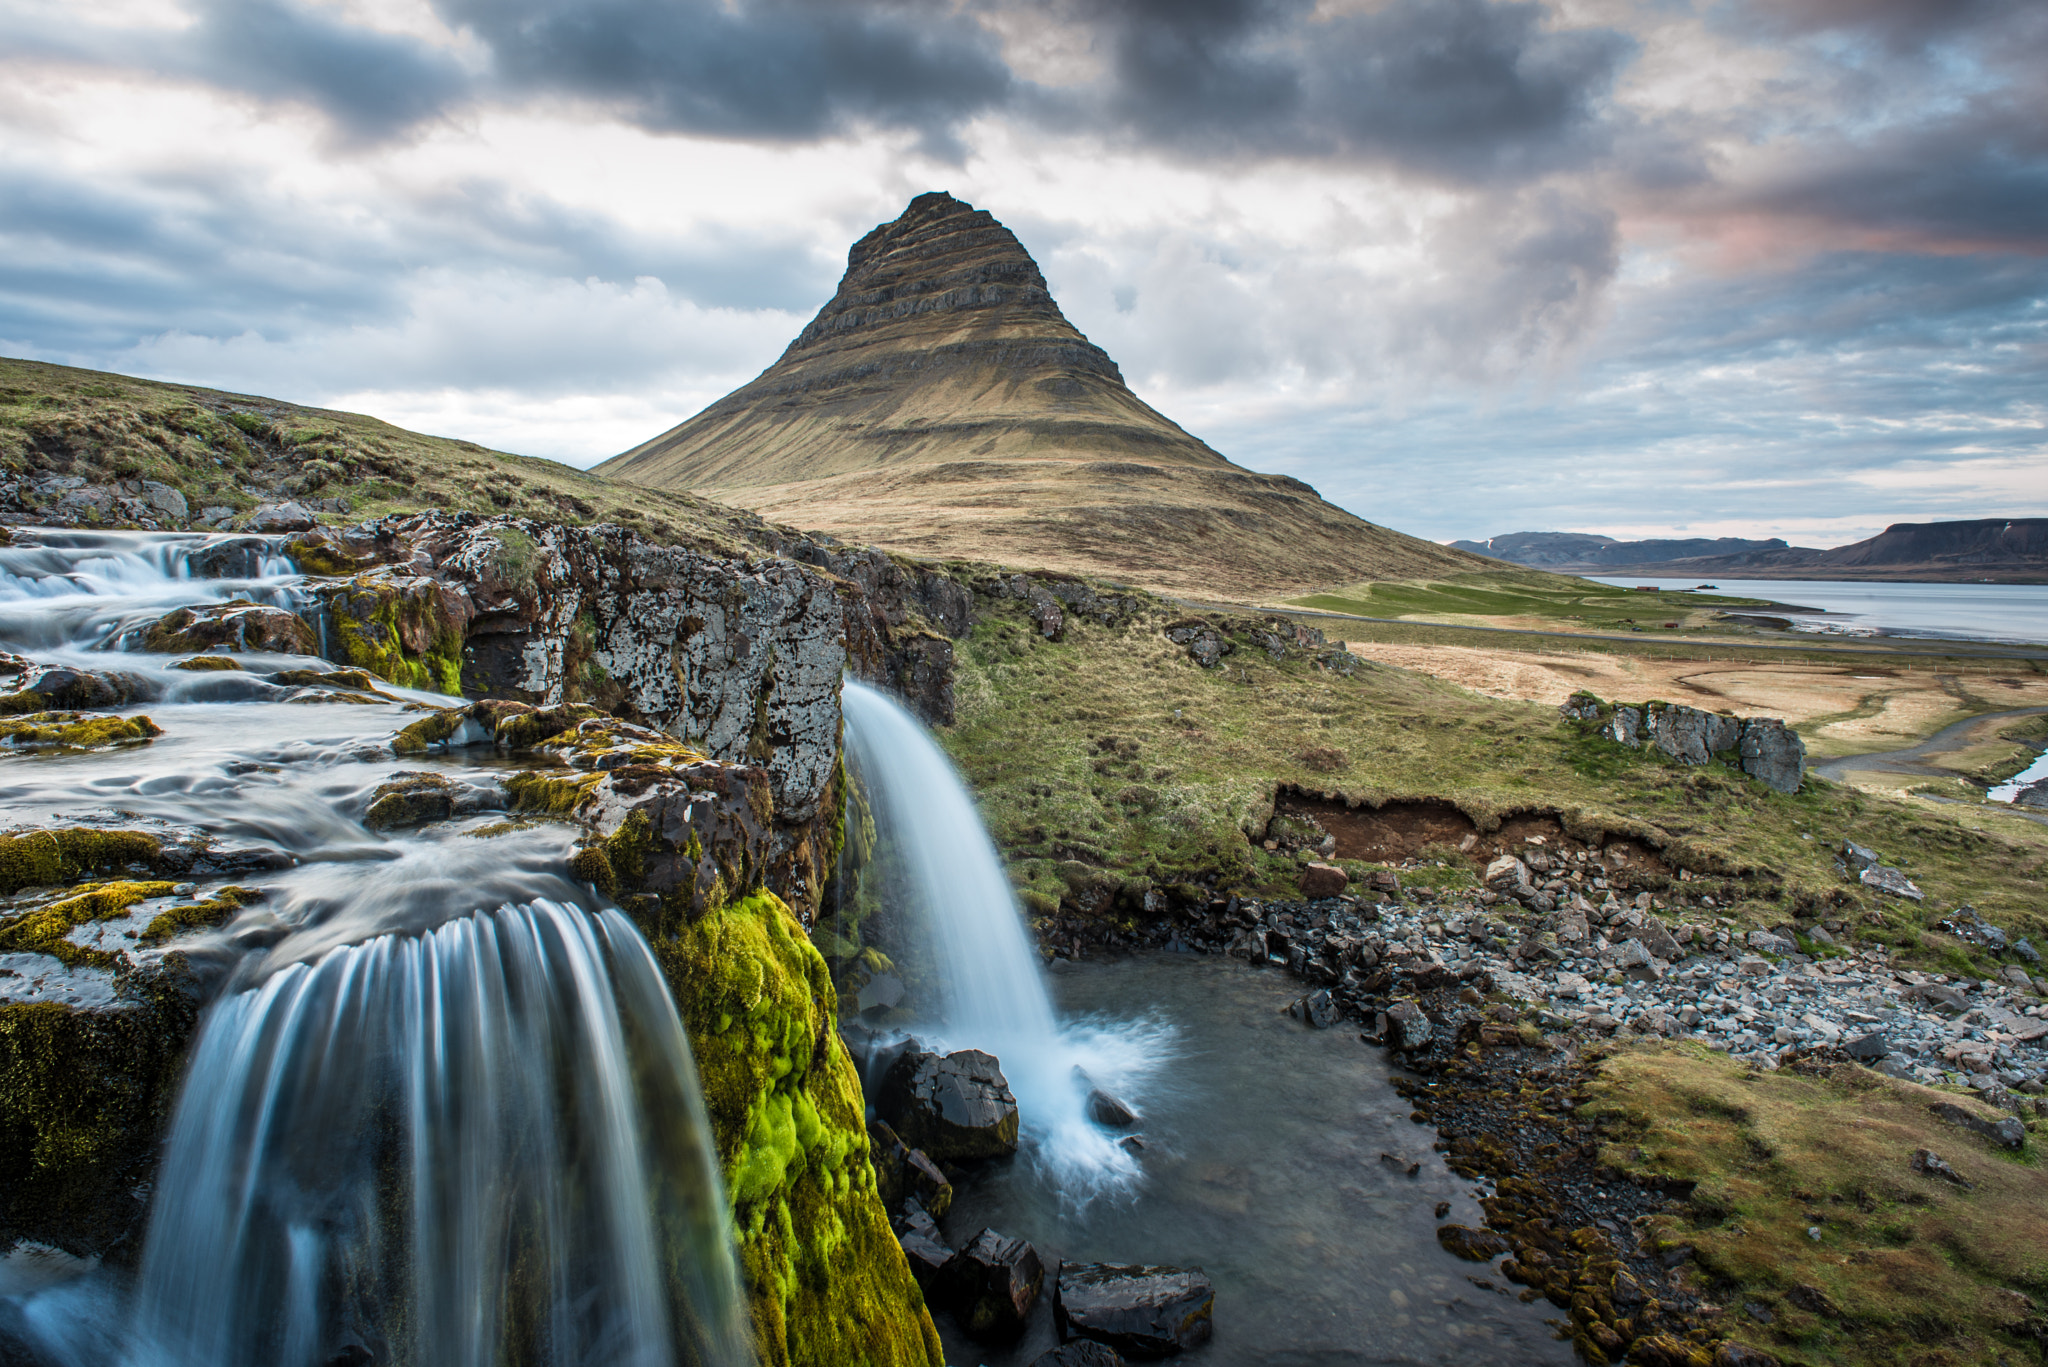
x=827, y=1281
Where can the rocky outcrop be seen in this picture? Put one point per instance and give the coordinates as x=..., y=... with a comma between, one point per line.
x=955, y=1106
x=942, y=405
x=1765, y=748
x=1147, y=1312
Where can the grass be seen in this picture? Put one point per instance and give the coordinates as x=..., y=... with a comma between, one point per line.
x=1533, y=596
x=235, y=450
x=1111, y=757
x=1908, y=1268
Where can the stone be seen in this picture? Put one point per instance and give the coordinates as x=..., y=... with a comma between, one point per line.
x=1473, y=1245
x=1733, y=1354
x=409, y=798
x=1505, y=874
x=1773, y=754
x=166, y=500
x=1625, y=727
x=1407, y=1027
x=1767, y=942
x=1931, y=1163
x=280, y=517
x=1580, y=707
x=2025, y=949
x=2007, y=1133
x=1856, y=858
x=46, y=688
x=1659, y=941
x=1323, y=880
x=928, y=1258
x=992, y=1283
x=1868, y=1048
x=1103, y=1107
x=1079, y=1353
x=1966, y=925
x=904, y=1174
x=1140, y=1311
x=1319, y=1009
x=953, y=1107
x=238, y=626
x=1890, y=882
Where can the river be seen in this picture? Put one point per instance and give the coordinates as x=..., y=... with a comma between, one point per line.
x=1970, y=612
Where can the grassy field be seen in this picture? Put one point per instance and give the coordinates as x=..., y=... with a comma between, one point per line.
x=1112, y=755
x=1534, y=598
x=235, y=450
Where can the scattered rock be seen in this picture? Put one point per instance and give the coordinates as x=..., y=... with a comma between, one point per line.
x=953, y=1107
x=1773, y=754
x=2008, y=1133
x=280, y=517
x=1856, y=858
x=1407, y=1027
x=1931, y=1163
x=906, y=1174
x=1891, y=882
x=1323, y=880
x=1966, y=925
x=1868, y=1048
x=1319, y=1009
x=928, y=1259
x=1733, y=1354
x=1473, y=1245
x=1139, y=1311
x=992, y=1283
x=1205, y=645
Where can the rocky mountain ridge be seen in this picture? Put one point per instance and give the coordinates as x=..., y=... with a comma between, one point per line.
x=941, y=404
x=1983, y=550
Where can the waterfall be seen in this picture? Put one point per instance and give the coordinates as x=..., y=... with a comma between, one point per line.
x=476, y=1145
x=991, y=990
x=91, y=590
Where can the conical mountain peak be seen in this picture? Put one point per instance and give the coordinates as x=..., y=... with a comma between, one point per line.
x=941, y=403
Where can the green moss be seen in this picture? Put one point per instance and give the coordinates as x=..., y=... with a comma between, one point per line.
x=401, y=637
x=33, y=859
x=429, y=731
x=554, y=794
x=43, y=930
x=202, y=663
x=195, y=915
x=827, y=1281
x=75, y=731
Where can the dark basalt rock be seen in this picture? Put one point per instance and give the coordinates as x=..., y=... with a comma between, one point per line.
x=928, y=1259
x=48, y=688
x=993, y=1282
x=1473, y=1245
x=1146, y=1312
x=1079, y=1353
x=1103, y=1108
x=235, y=626
x=953, y=1107
x=2008, y=1133
x=1407, y=1027
x=906, y=1174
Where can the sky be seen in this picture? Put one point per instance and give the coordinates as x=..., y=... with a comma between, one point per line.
x=1638, y=267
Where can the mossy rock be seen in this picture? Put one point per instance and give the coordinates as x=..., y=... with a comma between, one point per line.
x=200, y=664
x=827, y=1282
x=34, y=859
x=398, y=631
x=44, y=929
x=75, y=731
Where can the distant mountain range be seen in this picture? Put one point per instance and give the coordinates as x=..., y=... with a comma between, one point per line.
x=1994, y=550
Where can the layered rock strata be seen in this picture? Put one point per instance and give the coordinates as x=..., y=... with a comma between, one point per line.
x=940, y=403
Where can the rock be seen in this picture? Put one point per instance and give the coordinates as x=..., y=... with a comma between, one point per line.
x=240, y=625
x=1773, y=754
x=1625, y=727
x=904, y=1174
x=166, y=500
x=1966, y=925
x=1104, y=1108
x=992, y=1283
x=1890, y=882
x=1931, y=1163
x=1766, y=942
x=280, y=517
x=1323, y=880
x=1506, y=874
x=955, y=1107
x=1580, y=707
x=2026, y=950
x=1205, y=645
x=1319, y=1009
x=1140, y=1311
x=410, y=798
x=46, y=688
x=1079, y=1353
x=1868, y=1048
x=928, y=1259
x=1733, y=1354
x=2008, y=1133
x=1407, y=1027
x=1655, y=938
x=1473, y=1245
x=1856, y=858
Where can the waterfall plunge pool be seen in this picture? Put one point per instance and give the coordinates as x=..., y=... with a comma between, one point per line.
x=1262, y=1165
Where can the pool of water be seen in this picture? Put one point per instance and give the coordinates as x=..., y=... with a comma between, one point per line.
x=1972, y=612
x=1264, y=1166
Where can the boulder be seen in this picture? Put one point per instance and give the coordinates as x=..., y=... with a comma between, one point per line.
x=46, y=688
x=1473, y=1245
x=904, y=1174
x=166, y=500
x=928, y=1258
x=1868, y=1048
x=1655, y=938
x=280, y=517
x=1407, y=1027
x=2007, y=1133
x=1766, y=942
x=1934, y=1165
x=410, y=798
x=952, y=1107
x=992, y=1284
x=1773, y=754
x=1079, y=1353
x=1142, y=1312
x=239, y=625
x=1323, y=880
x=1891, y=882
x=1625, y=727
x=1205, y=645
x=1103, y=1107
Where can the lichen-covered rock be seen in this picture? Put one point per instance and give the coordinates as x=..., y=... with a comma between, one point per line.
x=397, y=625
x=74, y=731
x=410, y=798
x=1773, y=754
x=827, y=1279
x=240, y=625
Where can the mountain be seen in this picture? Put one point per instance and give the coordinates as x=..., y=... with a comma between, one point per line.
x=1585, y=550
x=941, y=404
x=1991, y=549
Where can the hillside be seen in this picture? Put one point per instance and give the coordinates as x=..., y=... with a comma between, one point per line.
x=940, y=404
x=79, y=447
x=1992, y=549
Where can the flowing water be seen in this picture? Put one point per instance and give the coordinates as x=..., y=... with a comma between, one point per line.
x=441, y=1109
x=990, y=991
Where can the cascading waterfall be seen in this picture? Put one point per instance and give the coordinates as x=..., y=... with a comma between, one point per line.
x=439, y=1114
x=490, y=1132
x=992, y=993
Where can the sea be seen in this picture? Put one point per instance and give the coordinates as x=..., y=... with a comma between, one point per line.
x=1971, y=612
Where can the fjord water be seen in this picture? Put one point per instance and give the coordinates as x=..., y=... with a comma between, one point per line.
x=2015, y=613
x=991, y=992
x=440, y=1108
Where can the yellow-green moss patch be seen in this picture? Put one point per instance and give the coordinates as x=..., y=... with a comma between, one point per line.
x=195, y=915
x=827, y=1281
x=43, y=930
x=75, y=731
x=33, y=859
x=206, y=663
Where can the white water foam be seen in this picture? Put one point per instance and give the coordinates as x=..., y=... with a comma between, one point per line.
x=993, y=994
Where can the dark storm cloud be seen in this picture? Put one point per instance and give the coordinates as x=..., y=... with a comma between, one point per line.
x=1901, y=24
x=1468, y=89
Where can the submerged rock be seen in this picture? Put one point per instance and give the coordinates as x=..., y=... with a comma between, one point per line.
x=953, y=1107
x=992, y=1284
x=1080, y=1353
x=1473, y=1245
x=1140, y=1311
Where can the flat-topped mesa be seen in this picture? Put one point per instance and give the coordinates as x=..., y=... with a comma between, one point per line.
x=940, y=403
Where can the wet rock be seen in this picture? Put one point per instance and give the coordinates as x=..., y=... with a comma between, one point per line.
x=992, y=1283
x=280, y=517
x=928, y=1258
x=1473, y=1245
x=411, y=798
x=2007, y=1133
x=52, y=687
x=1079, y=1353
x=1407, y=1027
x=953, y=1107
x=240, y=626
x=1323, y=880
x=1319, y=1009
x=1104, y=1108
x=1890, y=882
x=1933, y=1165
x=1141, y=1311
x=906, y=1174
x=1773, y=754
x=237, y=557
